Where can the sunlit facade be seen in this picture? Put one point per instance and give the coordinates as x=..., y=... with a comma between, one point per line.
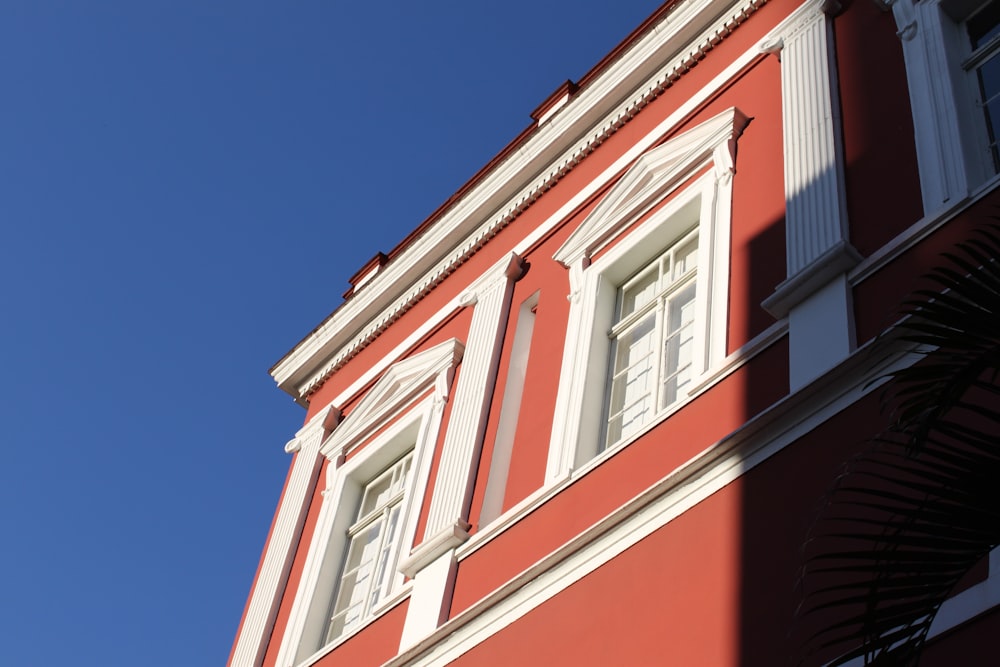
x=585, y=415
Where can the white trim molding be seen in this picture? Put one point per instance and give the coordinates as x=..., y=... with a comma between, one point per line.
x=816, y=212
x=705, y=203
x=718, y=465
x=651, y=64
x=258, y=623
x=947, y=129
x=816, y=296
x=404, y=411
x=466, y=428
x=432, y=563
x=401, y=384
x=974, y=601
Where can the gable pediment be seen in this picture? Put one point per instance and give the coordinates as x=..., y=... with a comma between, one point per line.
x=402, y=382
x=654, y=175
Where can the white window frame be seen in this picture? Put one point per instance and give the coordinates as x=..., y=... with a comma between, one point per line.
x=667, y=171
x=659, y=310
x=382, y=579
x=949, y=128
x=404, y=409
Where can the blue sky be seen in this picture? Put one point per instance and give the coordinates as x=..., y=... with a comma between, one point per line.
x=185, y=188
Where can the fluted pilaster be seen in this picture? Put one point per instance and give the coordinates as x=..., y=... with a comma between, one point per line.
x=490, y=299
x=280, y=550
x=815, y=216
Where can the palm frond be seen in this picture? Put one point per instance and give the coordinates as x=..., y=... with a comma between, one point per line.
x=909, y=518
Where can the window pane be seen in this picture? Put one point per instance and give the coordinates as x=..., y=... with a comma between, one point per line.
x=632, y=383
x=361, y=558
x=376, y=493
x=679, y=345
x=685, y=258
x=641, y=291
x=983, y=29
x=652, y=357
x=386, y=570
x=989, y=89
x=985, y=25
x=369, y=566
x=401, y=474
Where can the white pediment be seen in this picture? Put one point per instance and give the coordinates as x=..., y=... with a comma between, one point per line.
x=654, y=175
x=401, y=383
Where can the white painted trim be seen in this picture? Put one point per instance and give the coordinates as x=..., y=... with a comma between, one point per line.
x=680, y=40
x=971, y=602
x=473, y=395
x=394, y=394
x=820, y=331
x=530, y=503
x=510, y=409
x=815, y=206
x=400, y=385
x=432, y=590
x=964, y=607
x=446, y=539
x=580, y=399
x=929, y=48
x=653, y=177
x=836, y=260
x=711, y=470
x=255, y=633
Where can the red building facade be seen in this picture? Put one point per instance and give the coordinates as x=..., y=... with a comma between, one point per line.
x=584, y=414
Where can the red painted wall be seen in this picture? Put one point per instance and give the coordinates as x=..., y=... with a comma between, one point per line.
x=717, y=585
x=622, y=476
x=372, y=645
x=880, y=158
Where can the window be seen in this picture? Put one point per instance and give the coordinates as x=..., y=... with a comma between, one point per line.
x=649, y=280
x=372, y=551
x=377, y=471
x=983, y=31
x=653, y=339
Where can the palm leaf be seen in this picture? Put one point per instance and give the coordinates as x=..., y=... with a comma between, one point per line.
x=908, y=519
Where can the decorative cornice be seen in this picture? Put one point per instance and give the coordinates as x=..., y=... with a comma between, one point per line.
x=449, y=537
x=411, y=276
x=653, y=176
x=403, y=382
x=839, y=258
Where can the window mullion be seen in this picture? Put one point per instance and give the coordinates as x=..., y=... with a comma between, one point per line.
x=371, y=517
x=377, y=575
x=661, y=315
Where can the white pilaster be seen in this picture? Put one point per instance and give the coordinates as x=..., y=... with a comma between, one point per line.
x=280, y=550
x=431, y=588
x=578, y=374
x=432, y=564
x=466, y=428
x=937, y=135
x=821, y=335
x=816, y=296
x=815, y=215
